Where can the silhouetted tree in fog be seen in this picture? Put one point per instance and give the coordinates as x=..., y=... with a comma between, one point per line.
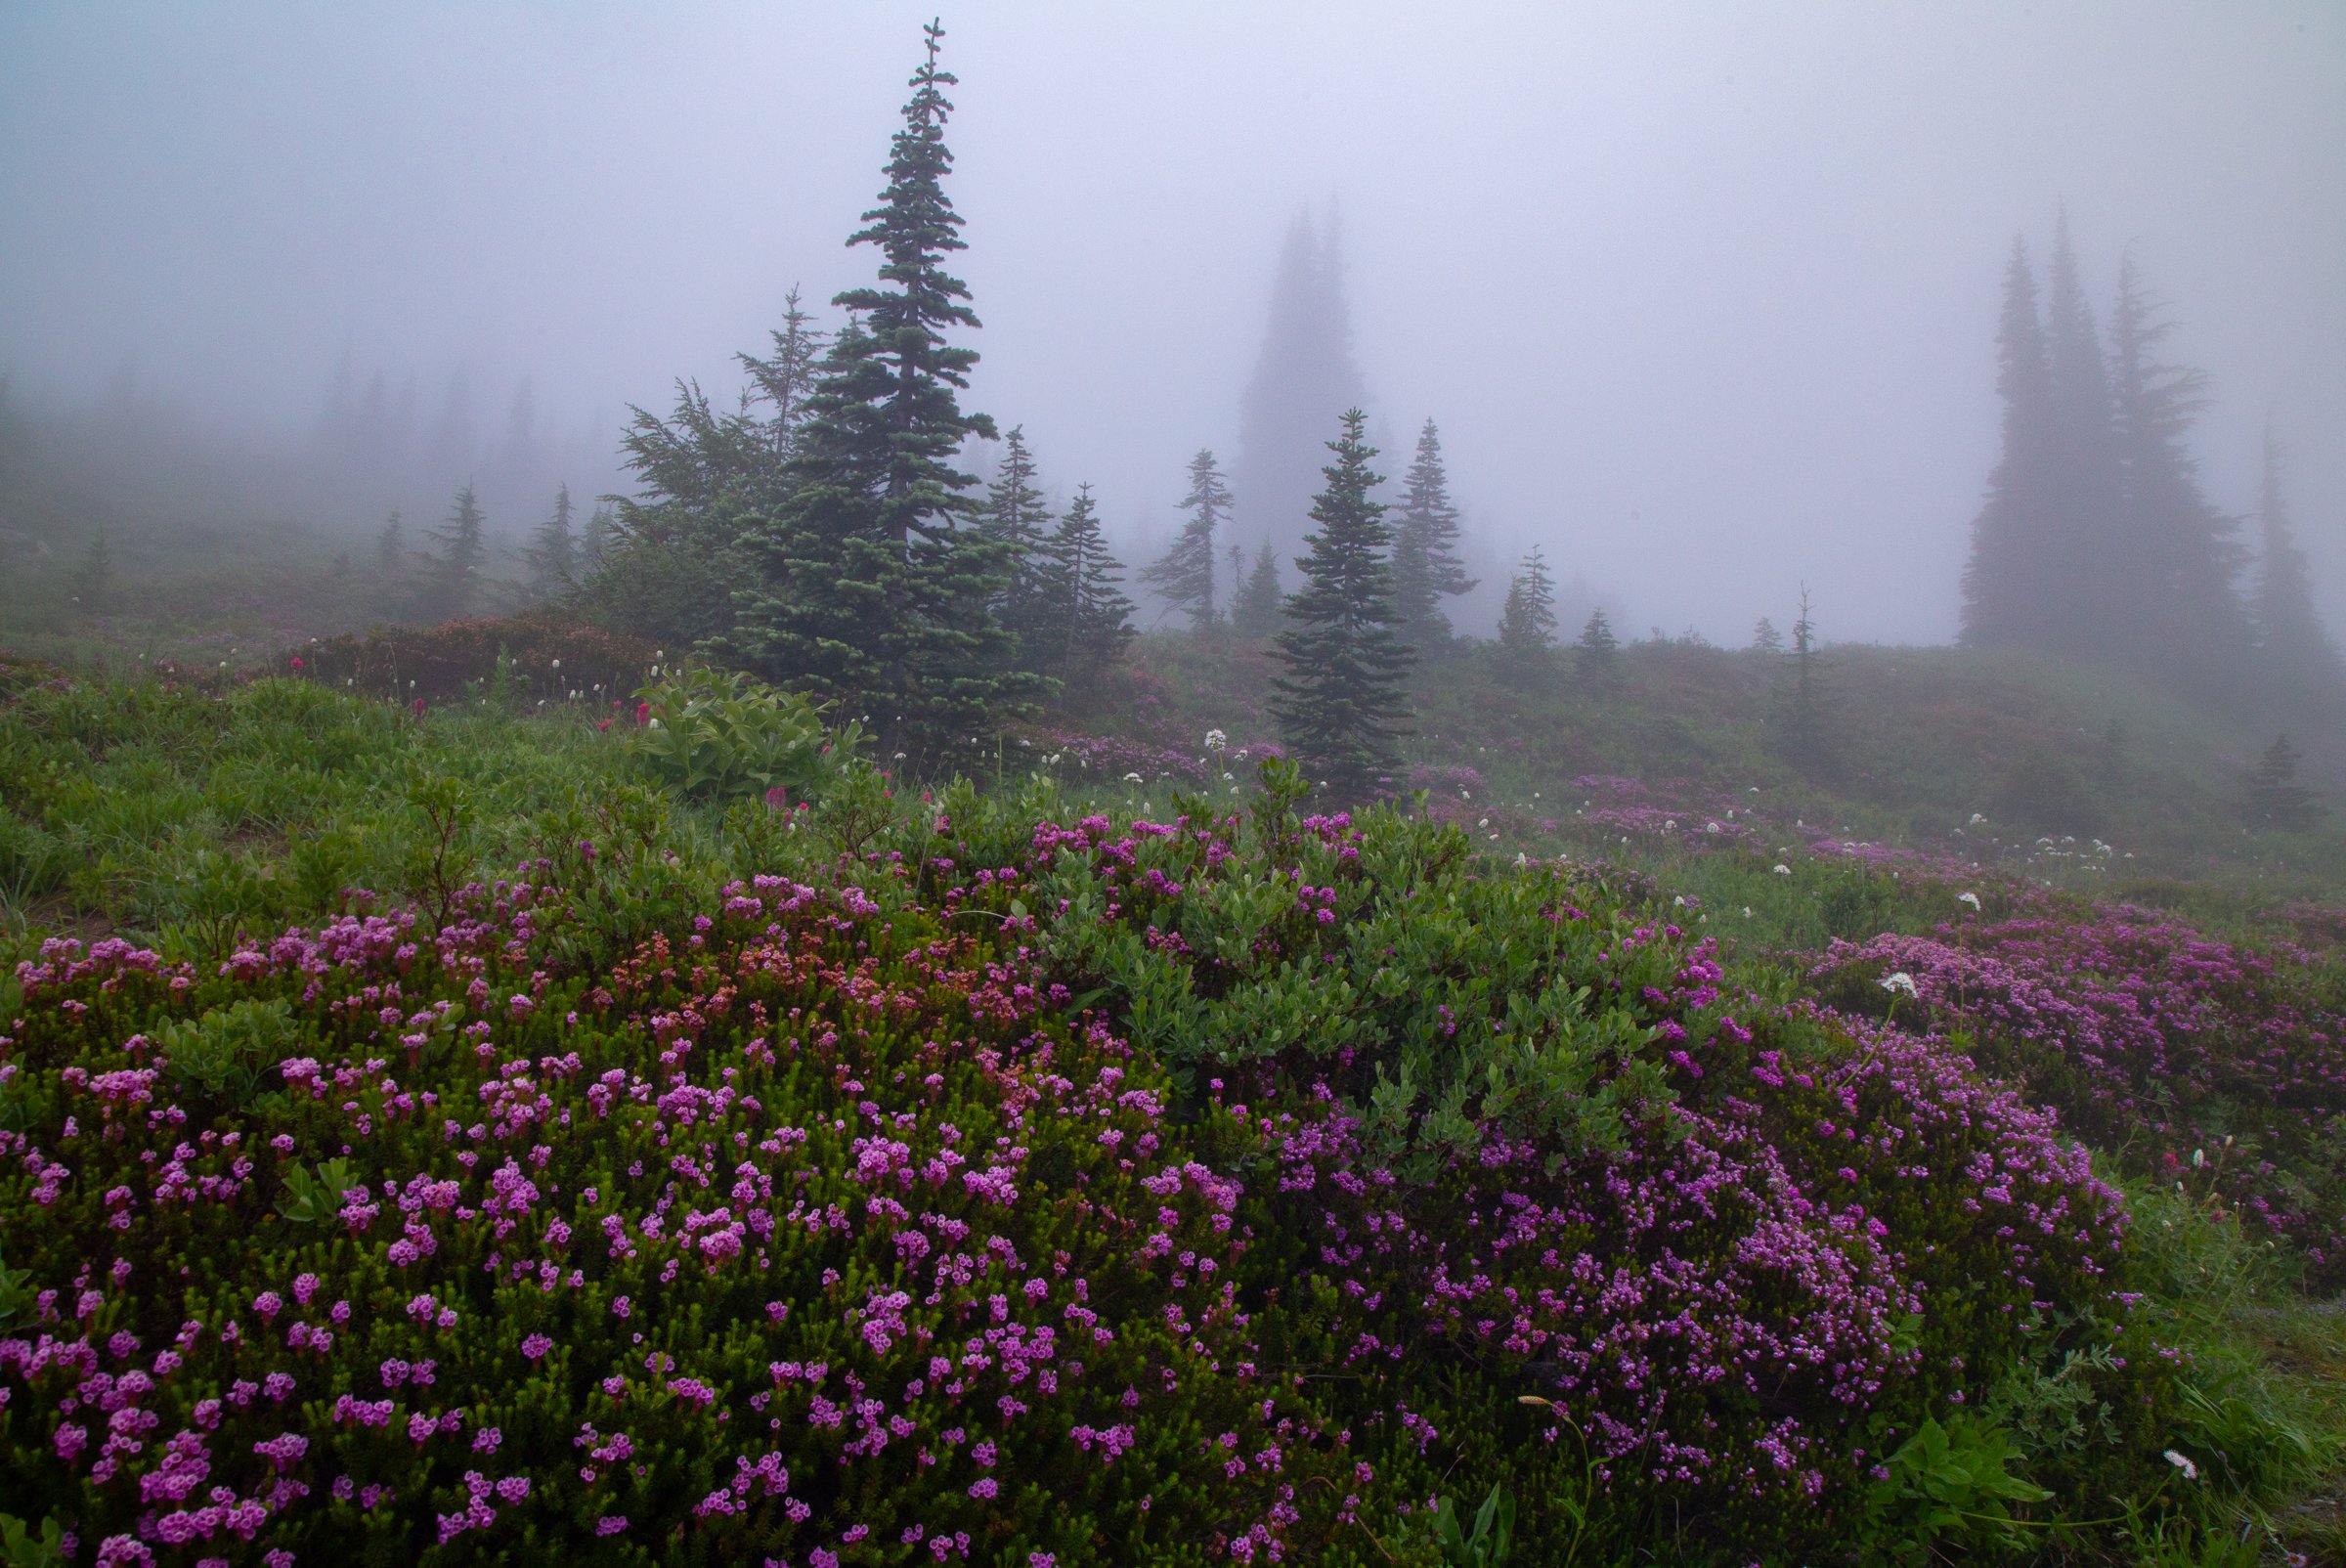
x=1597, y=656
x=1304, y=376
x=2297, y=658
x=553, y=554
x=1184, y=576
x=1527, y=626
x=1254, y=612
x=2179, y=559
x=456, y=563
x=2010, y=584
x=2274, y=797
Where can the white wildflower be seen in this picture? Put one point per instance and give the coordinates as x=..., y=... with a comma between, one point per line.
x=1132, y=778
x=1747, y=911
x=1483, y=823
x=1215, y=740
x=2198, y=1158
x=1780, y=870
x=2191, y=1471
x=1711, y=827
x=1898, y=981
x=1971, y=898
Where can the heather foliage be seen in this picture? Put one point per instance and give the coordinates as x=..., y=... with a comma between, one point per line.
x=930, y=1176
x=2210, y=1064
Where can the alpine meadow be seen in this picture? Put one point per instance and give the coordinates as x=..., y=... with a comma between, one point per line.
x=1020, y=892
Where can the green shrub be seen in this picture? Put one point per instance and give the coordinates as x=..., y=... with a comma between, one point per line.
x=714, y=735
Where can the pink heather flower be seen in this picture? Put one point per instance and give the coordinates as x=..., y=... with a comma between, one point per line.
x=535, y=1346
x=611, y=1524
x=983, y=1487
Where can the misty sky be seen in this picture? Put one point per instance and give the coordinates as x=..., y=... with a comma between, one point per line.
x=1702, y=295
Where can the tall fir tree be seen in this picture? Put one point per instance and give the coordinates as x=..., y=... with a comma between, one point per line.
x=553, y=552
x=2090, y=588
x=1304, y=376
x=1255, y=609
x=1766, y=638
x=1092, y=620
x=1426, y=569
x=1184, y=576
x=1016, y=520
x=2180, y=562
x=1343, y=701
x=464, y=549
x=2297, y=662
x=2010, y=587
x=1527, y=627
x=871, y=590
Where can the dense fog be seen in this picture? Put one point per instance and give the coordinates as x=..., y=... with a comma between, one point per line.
x=1704, y=300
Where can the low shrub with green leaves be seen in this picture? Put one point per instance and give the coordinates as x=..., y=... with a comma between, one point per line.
x=710, y=734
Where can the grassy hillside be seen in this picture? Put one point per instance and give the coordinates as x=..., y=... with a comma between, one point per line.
x=1916, y=742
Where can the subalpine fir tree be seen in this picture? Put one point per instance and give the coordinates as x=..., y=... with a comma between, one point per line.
x=1527, y=627
x=2091, y=592
x=553, y=554
x=1091, y=619
x=2179, y=559
x=2274, y=797
x=456, y=567
x=871, y=591
x=1016, y=520
x=1184, y=576
x=1343, y=701
x=2012, y=584
x=391, y=547
x=1426, y=569
x=1254, y=611
x=2297, y=662
x=1597, y=656
x=1766, y=638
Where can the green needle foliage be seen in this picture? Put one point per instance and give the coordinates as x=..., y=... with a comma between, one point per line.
x=1343, y=702
x=874, y=585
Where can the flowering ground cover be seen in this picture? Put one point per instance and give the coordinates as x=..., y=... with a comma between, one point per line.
x=1001, y=1177
x=2209, y=1064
